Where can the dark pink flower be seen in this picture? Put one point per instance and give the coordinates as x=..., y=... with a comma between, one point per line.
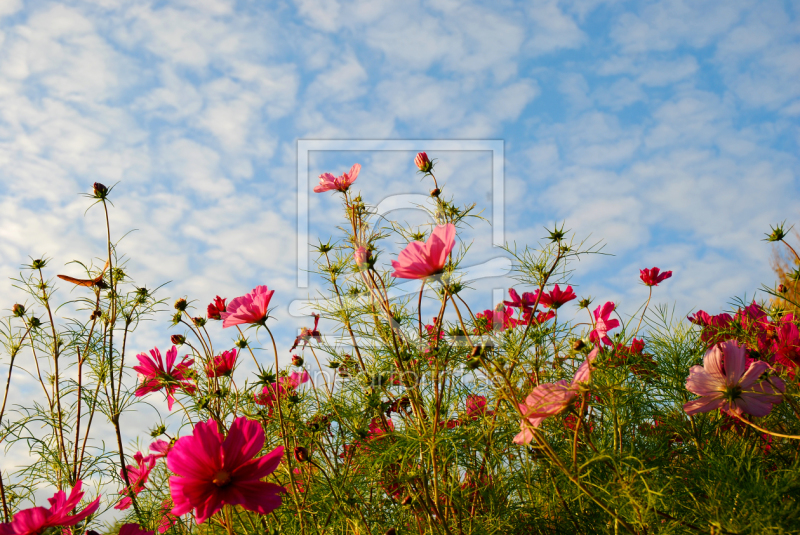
x=651, y=277
x=212, y=471
x=476, y=407
x=134, y=529
x=419, y=260
x=160, y=448
x=216, y=308
x=294, y=380
x=603, y=324
x=556, y=298
x=722, y=383
x=154, y=375
x=137, y=476
x=549, y=399
x=35, y=520
x=222, y=365
x=167, y=518
x=499, y=319
x=377, y=430
x=307, y=334
x=250, y=308
x=328, y=182
x=525, y=302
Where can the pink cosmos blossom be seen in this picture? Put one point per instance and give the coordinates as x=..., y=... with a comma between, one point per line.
x=222, y=365
x=525, y=302
x=167, y=518
x=651, y=277
x=35, y=520
x=476, y=407
x=420, y=260
x=212, y=471
x=549, y=399
x=154, y=375
x=307, y=334
x=328, y=182
x=556, y=298
x=603, y=324
x=250, y=308
x=722, y=383
x=134, y=529
x=499, y=319
x=160, y=448
x=538, y=319
x=286, y=385
x=215, y=309
x=137, y=476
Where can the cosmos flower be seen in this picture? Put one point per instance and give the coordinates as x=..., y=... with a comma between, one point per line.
x=328, y=182
x=603, y=324
x=651, y=277
x=35, y=520
x=420, y=260
x=154, y=375
x=251, y=308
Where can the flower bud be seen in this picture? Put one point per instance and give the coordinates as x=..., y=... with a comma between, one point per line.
x=38, y=263
x=435, y=192
x=301, y=454
x=181, y=304
x=100, y=191
x=241, y=343
x=781, y=288
x=177, y=339
x=584, y=303
x=297, y=360
x=423, y=162
x=199, y=322
x=97, y=314
x=577, y=345
x=18, y=310
x=34, y=322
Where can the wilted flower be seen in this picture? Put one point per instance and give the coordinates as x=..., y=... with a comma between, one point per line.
x=419, y=260
x=307, y=334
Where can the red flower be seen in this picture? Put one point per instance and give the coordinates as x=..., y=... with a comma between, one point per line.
x=216, y=308
x=35, y=520
x=420, y=260
x=603, y=324
x=422, y=161
x=557, y=298
x=250, y=308
x=212, y=471
x=651, y=277
x=328, y=182
x=167, y=518
x=137, y=476
x=222, y=365
x=155, y=376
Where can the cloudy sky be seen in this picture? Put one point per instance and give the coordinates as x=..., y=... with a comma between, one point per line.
x=667, y=129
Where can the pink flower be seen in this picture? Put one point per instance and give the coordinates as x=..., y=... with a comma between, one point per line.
x=362, y=256
x=134, y=529
x=476, y=407
x=419, y=260
x=222, y=365
x=328, y=182
x=212, y=471
x=250, y=308
x=167, y=518
x=723, y=383
x=651, y=276
x=499, y=319
x=307, y=334
x=137, y=476
x=549, y=399
x=295, y=379
x=603, y=324
x=36, y=519
x=556, y=298
x=216, y=308
x=525, y=302
x=160, y=448
x=154, y=375
x=422, y=162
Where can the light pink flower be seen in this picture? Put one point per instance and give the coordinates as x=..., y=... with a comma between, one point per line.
x=137, y=476
x=250, y=308
x=549, y=399
x=603, y=324
x=222, y=365
x=723, y=383
x=212, y=471
x=35, y=520
x=134, y=529
x=419, y=260
x=328, y=182
x=154, y=375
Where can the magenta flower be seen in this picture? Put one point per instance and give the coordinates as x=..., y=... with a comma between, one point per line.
x=476, y=407
x=549, y=399
x=137, y=476
x=160, y=448
x=525, y=302
x=328, y=182
x=651, y=277
x=722, y=383
x=215, y=309
x=35, y=520
x=222, y=365
x=420, y=260
x=556, y=298
x=499, y=319
x=134, y=529
x=154, y=375
x=294, y=380
x=250, y=308
x=603, y=324
x=211, y=471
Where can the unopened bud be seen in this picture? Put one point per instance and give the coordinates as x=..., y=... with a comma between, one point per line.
x=577, y=345
x=177, y=339
x=199, y=322
x=18, y=310
x=38, y=263
x=181, y=304
x=781, y=288
x=297, y=360
x=423, y=162
x=584, y=303
x=301, y=454
x=100, y=191
x=241, y=343
x=34, y=323
x=435, y=192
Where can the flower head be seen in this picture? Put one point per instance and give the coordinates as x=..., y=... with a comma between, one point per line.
x=420, y=260
x=154, y=375
x=250, y=308
x=328, y=182
x=525, y=302
x=307, y=334
x=222, y=365
x=216, y=308
x=556, y=298
x=651, y=277
x=160, y=448
x=134, y=529
x=137, y=476
x=722, y=383
x=603, y=324
x=35, y=520
x=212, y=471
x=422, y=162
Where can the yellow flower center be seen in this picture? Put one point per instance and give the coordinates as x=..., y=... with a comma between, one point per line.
x=221, y=478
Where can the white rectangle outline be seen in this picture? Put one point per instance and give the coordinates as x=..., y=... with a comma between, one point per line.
x=304, y=146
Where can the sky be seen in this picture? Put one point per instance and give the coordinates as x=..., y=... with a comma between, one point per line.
x=668, y=130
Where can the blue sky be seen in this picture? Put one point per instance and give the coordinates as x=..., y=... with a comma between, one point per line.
x=668, y=129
